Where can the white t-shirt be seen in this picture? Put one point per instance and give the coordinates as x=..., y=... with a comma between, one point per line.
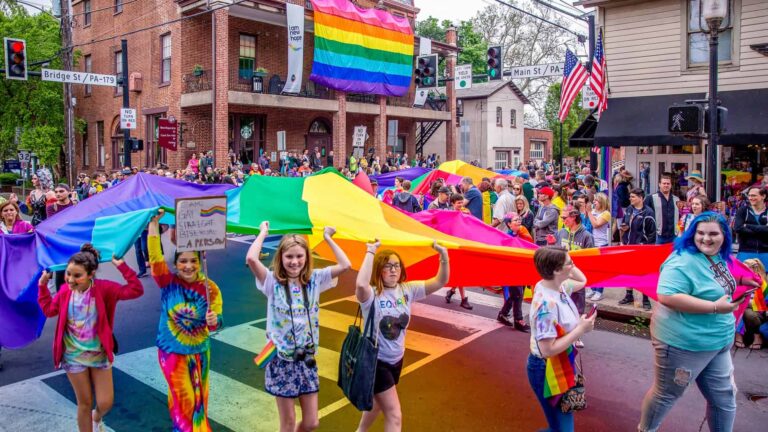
x=504, y=205
x=602, y=233
x=279, y=329
x=392, y=316
x=549, y=308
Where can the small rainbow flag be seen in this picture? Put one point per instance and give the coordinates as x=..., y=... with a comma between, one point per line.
x=266, y=355
x=759, y=297
x=361, y=50
x=215, y=210
x=560, y=373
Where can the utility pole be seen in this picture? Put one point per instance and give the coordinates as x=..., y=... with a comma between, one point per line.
x=126, y=104
x=69, y=114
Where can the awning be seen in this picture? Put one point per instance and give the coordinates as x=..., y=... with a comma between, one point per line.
x=642, y=121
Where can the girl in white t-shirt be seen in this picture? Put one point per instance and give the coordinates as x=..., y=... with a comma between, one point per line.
x=552, y=308
x=381, y=282
x=293, y=307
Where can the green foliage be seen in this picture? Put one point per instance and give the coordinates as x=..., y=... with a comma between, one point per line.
x=34, y=106
x=471, y=42
x=80, y=125
x=575, y=117
x=637, y=326
x=8, y=178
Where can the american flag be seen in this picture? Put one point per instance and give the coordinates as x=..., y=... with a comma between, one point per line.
x=574, y=77
x=597, y=77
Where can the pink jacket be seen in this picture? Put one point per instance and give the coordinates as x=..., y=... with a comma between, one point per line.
x=20, y=227
x=107, y=293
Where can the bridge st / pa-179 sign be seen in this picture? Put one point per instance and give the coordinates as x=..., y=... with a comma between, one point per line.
x=78, y=77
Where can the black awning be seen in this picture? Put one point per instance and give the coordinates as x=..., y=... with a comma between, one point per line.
x=584, y=135
x=640, y=121
x=747, y=117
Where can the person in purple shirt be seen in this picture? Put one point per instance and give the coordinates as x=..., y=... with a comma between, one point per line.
x=473, y=199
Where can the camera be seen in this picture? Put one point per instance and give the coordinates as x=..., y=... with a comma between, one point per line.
x=305, y=355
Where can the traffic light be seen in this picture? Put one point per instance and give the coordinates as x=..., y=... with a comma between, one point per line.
x=15, y=59
x=685, y=120
x=426, y=71
x=495, y=63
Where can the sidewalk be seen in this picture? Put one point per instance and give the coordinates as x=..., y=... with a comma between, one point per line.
x=610, y=304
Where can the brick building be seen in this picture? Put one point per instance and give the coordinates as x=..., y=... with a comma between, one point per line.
x=537, y=145
x=199, y=69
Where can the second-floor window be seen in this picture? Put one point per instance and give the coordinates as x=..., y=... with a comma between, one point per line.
x=118, y=6
x=247, y=62
x=101, y=156
x=165, y=62
x=119, y=71
x=512, y=118
x=698, y=38
x=537, y=150
x=87, y=12
x=499, y=118
x=88, y=68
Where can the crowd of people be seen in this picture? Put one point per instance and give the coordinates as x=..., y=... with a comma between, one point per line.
x=693, y=327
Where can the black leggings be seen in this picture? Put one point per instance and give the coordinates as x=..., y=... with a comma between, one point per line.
x=514, y=302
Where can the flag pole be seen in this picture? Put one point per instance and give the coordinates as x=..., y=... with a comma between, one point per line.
x=561, y=148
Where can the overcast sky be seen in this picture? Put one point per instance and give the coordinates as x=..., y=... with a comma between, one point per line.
x=462, y=10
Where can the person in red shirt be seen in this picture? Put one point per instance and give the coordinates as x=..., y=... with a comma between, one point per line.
x=83, y=344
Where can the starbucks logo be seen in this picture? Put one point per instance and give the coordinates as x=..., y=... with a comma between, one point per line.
x=246, y=132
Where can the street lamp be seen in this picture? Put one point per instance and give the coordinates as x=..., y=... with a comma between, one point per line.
x=714, y=12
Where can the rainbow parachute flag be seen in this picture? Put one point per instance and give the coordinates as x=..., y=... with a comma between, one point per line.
x=560, y=372
x=759, y=298
x=361, y=50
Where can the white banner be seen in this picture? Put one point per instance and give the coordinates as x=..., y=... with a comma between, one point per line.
x=295, y=18
x=425, y=46
x=463, y=76
x=420, y=97
x=201, y=223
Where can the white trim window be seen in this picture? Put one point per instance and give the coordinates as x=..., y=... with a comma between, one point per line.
x=501, y=160
x=513, y=118
x=165, y=62
x=499, y=117
x=698, y=39
x=537, y=150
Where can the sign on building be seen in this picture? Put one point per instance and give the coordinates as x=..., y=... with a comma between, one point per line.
x=358, y=140
x=201, y=223
x=127, y=118
x=463, y=76
x=420, y=98
x=536, y=71
x=168, y=133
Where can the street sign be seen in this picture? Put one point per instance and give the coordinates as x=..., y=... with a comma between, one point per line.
x=589, y=99
x=463, y=76
x=11, y=165
x=358, y=140
x=536, y=71
x=127, y=118
x=24, y=156
x=78, y=77
x=167, y=133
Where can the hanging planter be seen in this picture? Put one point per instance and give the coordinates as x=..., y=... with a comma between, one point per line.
x=260, y=72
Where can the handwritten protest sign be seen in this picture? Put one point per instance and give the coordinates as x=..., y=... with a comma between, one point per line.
x=201, y=223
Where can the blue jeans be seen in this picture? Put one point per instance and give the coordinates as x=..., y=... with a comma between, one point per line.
x=675, y=370
x=557, y=420
x=142, y=251
x=763, y=257
x=665, y=240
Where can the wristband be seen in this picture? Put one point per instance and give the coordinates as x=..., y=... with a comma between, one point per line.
x=715, y=305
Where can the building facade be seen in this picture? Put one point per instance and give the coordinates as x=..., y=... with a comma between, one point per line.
x=537, y=145
x=195, y=61
x=658, y=56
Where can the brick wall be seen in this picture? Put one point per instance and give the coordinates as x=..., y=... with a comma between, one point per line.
x=537, y=134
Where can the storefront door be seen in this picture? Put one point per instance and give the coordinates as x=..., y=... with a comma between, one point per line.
x=679, y=166
x=249, y=137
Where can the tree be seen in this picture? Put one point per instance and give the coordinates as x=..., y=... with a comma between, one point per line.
x=575, y=117
x=526, y=41
x=31, y=112
x=470, y=41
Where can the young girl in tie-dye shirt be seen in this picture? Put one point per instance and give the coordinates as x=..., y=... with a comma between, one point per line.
x=187, y=315
x=293, y=307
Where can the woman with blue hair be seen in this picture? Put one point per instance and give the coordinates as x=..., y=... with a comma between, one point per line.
x=693, y=326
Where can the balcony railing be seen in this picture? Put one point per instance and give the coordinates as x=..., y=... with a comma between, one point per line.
x=196, y=82
x=273, y=84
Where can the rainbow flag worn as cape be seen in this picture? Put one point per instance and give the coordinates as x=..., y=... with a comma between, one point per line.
x=560, y=373
x=266, y=355
x=361, y=50
x=758, y=298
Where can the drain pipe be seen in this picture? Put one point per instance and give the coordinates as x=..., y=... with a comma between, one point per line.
x=213, y=87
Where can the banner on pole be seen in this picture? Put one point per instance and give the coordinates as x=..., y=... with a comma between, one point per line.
x=425, y=46
x=201, y=223
x=295, y=19
x=420, y=98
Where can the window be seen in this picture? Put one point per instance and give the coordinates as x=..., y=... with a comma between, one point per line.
x=165, y=63
x=100, y=142
x=87, y=12
x=498, y=116
x=85, y=147
x=537, y=150
x=247, y=62
x=118, y=6
x=513, y=118
x=88, y=68
x=155, y=153
x=119, y=71
x=464, y=138
x=392, y=132
x=502, y=160
x=698, y=40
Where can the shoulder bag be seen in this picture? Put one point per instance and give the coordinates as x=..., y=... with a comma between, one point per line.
x=357, y=362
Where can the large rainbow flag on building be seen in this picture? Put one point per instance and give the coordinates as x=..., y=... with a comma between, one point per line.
x=361, y=50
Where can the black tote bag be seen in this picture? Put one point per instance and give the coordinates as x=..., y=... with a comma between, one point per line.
x=357, y=363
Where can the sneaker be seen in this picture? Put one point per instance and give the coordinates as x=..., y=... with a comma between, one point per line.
x=142, y=274
x=520, y=325
x=647, y=305
x=597, y=297
x=97, y=426
x=465, y=303
x=590, y=295
x=504, y=320
x=579, y=343
x=448, y=295
x=627, y=300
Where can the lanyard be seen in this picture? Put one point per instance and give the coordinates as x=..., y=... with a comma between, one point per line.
x=289, y=299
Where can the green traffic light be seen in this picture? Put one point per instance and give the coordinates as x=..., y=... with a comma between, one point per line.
x=492, y=72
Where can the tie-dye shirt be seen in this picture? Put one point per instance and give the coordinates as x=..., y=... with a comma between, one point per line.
x=81, y=343
x=279, y=328
x=549, y=308
x=182, y=328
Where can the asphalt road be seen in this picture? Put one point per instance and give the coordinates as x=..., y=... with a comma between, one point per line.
x=463, y=371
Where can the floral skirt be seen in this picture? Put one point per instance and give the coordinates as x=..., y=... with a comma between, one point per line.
x=290, y=379
x=187, y=377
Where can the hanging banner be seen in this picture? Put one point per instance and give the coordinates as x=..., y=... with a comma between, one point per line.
x=420, y=98
x=295, y=18
x=463, y=76
x=425, y=46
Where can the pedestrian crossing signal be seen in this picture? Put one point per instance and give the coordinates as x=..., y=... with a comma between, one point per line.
x=685, y=120
x=15, y=59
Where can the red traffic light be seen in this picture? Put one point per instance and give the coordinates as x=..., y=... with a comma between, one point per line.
x=492, y=62
x=17, y=47
x=493, y=52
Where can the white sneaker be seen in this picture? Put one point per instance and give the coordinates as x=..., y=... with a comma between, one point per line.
x=97, y=426
x=590, y=294
x=579, y=343
x=597, y=297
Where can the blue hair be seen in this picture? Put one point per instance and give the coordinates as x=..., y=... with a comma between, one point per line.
x=686, y=241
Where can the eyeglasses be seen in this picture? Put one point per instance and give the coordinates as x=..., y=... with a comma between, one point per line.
x=391, y=267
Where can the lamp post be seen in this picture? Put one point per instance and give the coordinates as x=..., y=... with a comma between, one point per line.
x=714, y=12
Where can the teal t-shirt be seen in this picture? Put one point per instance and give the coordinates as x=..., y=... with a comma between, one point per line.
x=693, y=274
